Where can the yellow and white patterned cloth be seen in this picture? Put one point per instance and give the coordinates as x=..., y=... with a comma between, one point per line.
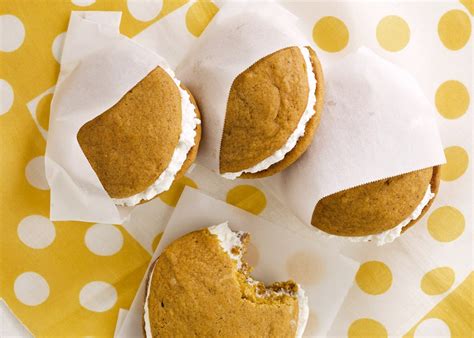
x=71, y=278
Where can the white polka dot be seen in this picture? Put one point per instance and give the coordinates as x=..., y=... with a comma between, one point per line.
x=83, y=2
x=36, y=231
x=13, y=33
x=57, y=47
x=35, y=174
x=31, y=288
x=432, y=327
x=103, y=239
x=144, y=10
x=98, y=296
x=6, y=96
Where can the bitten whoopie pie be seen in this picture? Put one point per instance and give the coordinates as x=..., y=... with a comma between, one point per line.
x=378, y=211
x=273, y=111
x=145, y=141
x=200, y=287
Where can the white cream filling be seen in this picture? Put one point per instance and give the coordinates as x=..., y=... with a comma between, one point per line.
x=189, y=122
x=146, y=314
x=228, y=239
x=303, y=312
x=390, y=235
x=297, y=133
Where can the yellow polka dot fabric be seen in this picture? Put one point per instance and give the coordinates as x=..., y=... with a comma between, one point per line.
x=452, y=99
x=171, y=197
x=199, y=15
x=457, y=162
x=445, y=319
x=71, y=278
x=368, y=328
x=331, y=34
x=247, y=197
x=446, y=224
x=437, y=281
x=374, y=278
x=454, y=29
x=393, y=33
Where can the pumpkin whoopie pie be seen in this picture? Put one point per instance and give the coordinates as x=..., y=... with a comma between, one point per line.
x=145, y=141
x=199, y=286
x=378, y=211
x=273, y=110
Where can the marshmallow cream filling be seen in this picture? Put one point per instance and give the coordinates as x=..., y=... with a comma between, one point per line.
x=390, y=235
x=189, y=122
x=297, y=133
x=146, y=314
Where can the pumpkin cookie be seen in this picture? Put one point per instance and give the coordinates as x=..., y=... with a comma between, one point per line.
x=273, y=111
x=378, y=211
x=145, y=141
x=199, y=286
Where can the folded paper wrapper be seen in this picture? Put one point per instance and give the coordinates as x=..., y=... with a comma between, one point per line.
x=93, y=49
x=236, y=38
x=276, y=246
x=376, y=123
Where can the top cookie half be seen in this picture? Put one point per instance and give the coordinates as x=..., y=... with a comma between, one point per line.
x=375, y=210
x=145, y=141
x=272, y=113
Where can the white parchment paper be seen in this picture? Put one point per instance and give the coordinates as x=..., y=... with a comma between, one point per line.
x=239, y=35
x=98, y=66
x=376, y=123
x=276, y=246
